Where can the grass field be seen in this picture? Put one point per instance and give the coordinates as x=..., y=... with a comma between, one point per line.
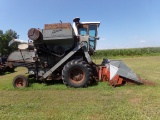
x=148, y=51
x=97, y=102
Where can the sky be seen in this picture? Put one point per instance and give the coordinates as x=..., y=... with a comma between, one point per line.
x=124, y=23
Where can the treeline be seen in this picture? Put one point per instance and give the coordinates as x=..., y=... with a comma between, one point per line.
x=5, y=37
x=149, y=51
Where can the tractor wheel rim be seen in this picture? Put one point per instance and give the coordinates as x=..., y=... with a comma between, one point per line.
x=76, y=75
x=19, y=82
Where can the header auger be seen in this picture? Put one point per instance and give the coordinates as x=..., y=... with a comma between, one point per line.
x=62, y=52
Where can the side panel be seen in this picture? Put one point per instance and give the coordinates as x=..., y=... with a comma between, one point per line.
x=54, y=34
x=21, y=56
x=61, y=62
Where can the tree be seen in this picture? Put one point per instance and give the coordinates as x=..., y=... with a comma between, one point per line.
x=4, y=40
x=1, y=33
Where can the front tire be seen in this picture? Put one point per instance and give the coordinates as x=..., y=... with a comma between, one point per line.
x=76, y=74
x=20, y=81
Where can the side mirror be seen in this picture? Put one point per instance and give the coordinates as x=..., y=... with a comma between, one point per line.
x=97, y=38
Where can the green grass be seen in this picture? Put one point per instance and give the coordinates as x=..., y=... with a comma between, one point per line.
x=97, y=102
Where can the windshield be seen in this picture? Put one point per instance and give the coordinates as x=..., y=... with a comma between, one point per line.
x=92, y=34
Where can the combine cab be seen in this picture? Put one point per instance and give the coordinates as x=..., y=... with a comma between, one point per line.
x=61, y=51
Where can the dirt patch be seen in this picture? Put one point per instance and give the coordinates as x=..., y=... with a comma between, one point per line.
x=135, y=100
x=148, y=82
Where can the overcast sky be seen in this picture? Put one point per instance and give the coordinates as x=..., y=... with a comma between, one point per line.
x=124, y=23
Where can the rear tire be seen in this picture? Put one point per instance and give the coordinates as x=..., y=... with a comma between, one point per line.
x=20, y=81
x=76, y=74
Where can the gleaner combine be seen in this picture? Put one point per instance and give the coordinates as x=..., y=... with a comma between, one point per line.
x=62, y=52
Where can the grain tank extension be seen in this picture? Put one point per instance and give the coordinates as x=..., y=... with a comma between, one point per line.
x=63, y=52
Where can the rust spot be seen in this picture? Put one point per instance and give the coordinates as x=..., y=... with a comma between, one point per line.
x=34, y=34
x=57, y=26
x=19, y=83
x=76, y=75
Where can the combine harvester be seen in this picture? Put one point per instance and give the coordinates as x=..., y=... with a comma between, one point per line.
x=62, y=52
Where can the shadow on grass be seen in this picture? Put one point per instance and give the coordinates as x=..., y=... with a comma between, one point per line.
x=48, y=82
x=6, y=72
x=53, y=82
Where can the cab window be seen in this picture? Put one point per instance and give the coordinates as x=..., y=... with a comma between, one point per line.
x=92, y=30
x=83, y=31
x=92, y=34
